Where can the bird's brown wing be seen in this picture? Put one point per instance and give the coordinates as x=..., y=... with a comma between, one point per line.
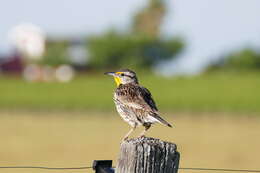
x=147, y=97
x=137, y=97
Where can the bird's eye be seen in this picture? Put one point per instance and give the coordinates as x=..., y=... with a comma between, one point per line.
x=122, y=74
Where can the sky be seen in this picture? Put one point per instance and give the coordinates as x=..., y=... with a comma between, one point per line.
x=210, y=28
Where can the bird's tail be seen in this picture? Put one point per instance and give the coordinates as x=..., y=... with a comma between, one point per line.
x=161, y=120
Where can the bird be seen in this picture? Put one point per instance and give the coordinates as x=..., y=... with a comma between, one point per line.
x=134, y=103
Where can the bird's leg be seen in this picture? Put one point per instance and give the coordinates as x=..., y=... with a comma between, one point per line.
x=146, y=127
x=127, y=135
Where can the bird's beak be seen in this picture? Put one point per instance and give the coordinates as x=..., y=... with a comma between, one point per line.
x=116, y=78
x=110, y=73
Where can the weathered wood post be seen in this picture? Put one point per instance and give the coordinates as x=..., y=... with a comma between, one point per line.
x=148, y=155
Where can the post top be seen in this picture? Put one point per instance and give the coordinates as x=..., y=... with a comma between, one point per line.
x=149, y=141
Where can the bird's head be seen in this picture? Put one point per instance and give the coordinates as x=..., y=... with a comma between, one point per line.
x=123, y=76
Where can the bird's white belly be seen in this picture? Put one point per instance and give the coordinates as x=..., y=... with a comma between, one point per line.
x=127, y=114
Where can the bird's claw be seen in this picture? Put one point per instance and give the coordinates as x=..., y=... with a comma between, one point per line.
x=141, y=136
x=125, y=139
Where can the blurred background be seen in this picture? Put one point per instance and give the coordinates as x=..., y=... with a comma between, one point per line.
x=200, y=60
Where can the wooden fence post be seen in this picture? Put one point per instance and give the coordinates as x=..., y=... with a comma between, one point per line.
x=148, y=155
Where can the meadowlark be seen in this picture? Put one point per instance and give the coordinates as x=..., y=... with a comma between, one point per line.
x=134, y=103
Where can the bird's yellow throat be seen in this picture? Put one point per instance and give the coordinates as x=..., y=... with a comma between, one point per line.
x=117, y=80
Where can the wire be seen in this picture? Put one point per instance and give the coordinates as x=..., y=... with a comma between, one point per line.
x=220, y=169
x=89, y=167
x=41, y=167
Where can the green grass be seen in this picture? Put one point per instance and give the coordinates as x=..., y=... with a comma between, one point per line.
x=222, y=92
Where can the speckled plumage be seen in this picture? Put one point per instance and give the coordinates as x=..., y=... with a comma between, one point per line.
x=134, y=103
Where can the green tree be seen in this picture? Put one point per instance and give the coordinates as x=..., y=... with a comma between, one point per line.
x=114, y=50
x=245, y=59
x=141, y=47
x=148, y=21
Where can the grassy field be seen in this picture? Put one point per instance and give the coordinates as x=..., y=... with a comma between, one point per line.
x=219, y=92
x=75, y=139
x=71, y=124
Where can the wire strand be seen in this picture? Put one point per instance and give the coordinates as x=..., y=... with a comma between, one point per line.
x=89, y=167
x=41, y=167
x=220, y=169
